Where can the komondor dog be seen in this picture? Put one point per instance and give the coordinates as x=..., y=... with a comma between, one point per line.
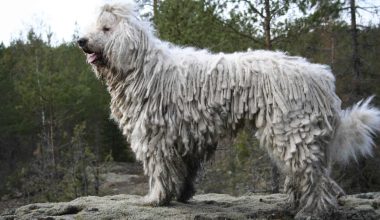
x=173, y=103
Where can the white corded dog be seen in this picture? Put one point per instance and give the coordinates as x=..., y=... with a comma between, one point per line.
x=172, y=104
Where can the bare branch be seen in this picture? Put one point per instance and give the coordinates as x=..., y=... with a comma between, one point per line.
x=253, y=8
x=236, y=31
x=367, y=9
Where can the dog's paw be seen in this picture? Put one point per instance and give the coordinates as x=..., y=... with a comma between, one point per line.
x=314, y=214
x=153, y=202
x=307, y=216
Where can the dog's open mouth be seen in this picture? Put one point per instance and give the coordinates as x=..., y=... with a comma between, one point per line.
x=93, y=57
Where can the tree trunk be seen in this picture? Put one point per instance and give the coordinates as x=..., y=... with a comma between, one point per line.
x=97, y=158
x=155, y=10
x=332, y=50
x=267, y=20
x=355, y=47
x=275, y=175
x=51, y=139
x=83, y=167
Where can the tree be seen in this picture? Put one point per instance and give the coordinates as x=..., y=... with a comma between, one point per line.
x=263, y=18
x=199, y=24
x=338, y=7
x=354, y=37
x=49, y=92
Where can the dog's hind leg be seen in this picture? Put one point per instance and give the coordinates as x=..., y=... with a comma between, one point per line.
x=193, y=164
x=188, y=189
x=310, y=187
x=319, y=193
x=290, y=188
x=301, y=153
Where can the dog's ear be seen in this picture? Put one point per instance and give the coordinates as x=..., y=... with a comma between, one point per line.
x=125, y=10
x=107, y=8
x=122, y=45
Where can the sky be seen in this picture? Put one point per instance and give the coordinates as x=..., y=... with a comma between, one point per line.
x=58, y=16
x=63, y=17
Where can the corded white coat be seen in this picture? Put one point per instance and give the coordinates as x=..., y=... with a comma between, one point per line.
x=173, y=103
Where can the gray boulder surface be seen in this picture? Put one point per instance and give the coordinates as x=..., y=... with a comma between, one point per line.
x=201, y=207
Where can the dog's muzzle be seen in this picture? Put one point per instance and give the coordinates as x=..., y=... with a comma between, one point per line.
x=92, y=57
x=82, y=42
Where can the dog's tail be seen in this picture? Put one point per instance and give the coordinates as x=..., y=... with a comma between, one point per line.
x=354, y=135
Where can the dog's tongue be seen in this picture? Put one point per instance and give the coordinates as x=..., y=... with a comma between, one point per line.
x=91, y=57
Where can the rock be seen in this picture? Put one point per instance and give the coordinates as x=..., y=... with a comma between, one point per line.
x=201, y=207
x=123, y=178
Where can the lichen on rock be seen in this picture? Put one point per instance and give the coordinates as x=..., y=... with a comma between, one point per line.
x=206, y=206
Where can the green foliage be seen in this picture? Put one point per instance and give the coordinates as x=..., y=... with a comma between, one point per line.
x=49, y=94
x=196, y=23
x=117, y=150
x=326, y=10
x=240, y=163
x=242, y=145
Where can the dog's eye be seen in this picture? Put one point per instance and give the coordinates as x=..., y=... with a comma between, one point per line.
x=105, y=29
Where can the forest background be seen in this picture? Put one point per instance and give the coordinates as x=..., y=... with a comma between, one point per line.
x=55, y=131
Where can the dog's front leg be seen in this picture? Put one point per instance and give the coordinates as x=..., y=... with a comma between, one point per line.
x=163, y=164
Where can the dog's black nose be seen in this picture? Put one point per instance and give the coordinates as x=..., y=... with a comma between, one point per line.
x=82, y=42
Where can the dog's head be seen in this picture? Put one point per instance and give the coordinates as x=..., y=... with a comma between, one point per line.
x=111, y=37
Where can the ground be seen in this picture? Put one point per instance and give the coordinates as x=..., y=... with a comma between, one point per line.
x=122, y=187
x=208, y=206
